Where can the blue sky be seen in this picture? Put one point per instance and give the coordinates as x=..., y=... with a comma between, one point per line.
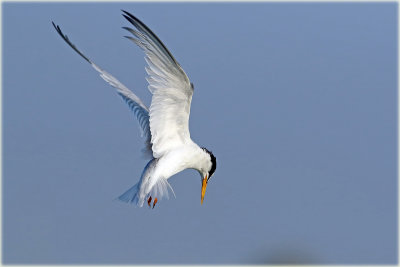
x=298, y=102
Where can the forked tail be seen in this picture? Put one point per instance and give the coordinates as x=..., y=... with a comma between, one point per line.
x=130, y=196
x=148, y=188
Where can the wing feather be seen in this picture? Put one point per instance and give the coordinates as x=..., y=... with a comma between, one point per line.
x=171, y=89
x=139, y=109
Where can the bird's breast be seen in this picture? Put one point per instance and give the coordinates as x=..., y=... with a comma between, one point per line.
x=176, y=161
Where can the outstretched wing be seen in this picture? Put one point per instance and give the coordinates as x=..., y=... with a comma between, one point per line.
x=139, y=109
x=171, y=89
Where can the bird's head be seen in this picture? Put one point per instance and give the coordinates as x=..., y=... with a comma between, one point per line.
x=208, y=172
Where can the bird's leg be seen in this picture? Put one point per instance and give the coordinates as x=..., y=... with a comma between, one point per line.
x=154, y=203
x=149, y=201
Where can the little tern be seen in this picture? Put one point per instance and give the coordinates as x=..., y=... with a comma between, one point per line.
x=165, y=125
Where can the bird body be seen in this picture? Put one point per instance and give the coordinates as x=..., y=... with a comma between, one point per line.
x=154, y=178
x=165, y=125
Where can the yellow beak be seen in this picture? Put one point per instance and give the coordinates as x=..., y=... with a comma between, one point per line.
x=203, y=189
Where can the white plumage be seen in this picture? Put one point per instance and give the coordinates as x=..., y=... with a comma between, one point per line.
x=165, y=126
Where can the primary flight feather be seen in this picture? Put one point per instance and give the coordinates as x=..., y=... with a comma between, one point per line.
x=165, y=125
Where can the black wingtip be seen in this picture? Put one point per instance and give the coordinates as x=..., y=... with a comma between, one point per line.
x=146, y=30
x=128, y=19
x=57, y=29
x=134, y=20
x=129, y=14
x=66, y=39
x=55, y=26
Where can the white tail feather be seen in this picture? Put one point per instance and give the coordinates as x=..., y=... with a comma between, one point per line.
x=142, y=191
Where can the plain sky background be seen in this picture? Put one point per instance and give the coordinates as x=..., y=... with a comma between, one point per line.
x=298, y=102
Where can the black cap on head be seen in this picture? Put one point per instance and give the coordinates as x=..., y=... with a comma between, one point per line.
x=213, y=162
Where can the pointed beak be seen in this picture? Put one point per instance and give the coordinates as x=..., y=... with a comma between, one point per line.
x=203, y=188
